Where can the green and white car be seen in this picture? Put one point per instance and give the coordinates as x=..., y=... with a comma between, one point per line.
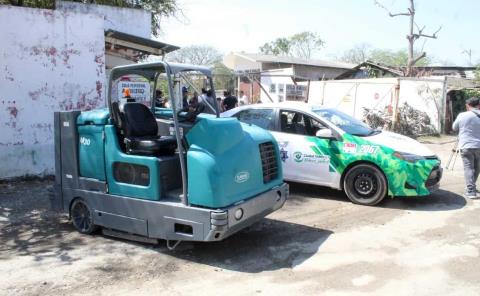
x=324, y=146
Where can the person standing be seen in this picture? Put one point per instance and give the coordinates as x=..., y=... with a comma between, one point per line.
x=468, y=126
x=210, y=102
x=193, y=102
x=184, y=97
x=230, y=101
x=159, y=100
x=243, y=98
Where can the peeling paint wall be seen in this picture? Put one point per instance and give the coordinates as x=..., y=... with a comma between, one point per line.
x=127, y=20
x=49, y=61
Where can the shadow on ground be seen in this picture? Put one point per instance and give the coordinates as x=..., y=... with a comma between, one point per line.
x=29, y=228
x=440, y=200
x=265, y=246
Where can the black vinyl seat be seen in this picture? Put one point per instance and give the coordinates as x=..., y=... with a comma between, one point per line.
x=140, y=131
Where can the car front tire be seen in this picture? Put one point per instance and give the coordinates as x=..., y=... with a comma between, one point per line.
x=365, y=185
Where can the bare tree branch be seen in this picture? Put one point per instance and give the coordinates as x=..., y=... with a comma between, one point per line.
x=418, y=28
x=420, y=34
x=388, y=11
x=398, y=14
x=423, y=45
x=435, y=34
x=424, y=54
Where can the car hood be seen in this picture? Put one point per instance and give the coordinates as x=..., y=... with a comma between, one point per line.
x=400, y=143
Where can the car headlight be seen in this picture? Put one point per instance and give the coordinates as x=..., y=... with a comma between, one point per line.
x=408, y=156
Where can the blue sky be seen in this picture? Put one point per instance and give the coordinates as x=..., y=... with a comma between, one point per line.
x=244, y=25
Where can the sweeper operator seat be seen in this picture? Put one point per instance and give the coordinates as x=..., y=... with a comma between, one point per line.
x=139, y=128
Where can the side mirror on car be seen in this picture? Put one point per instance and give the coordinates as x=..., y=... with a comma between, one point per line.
x=325, y=133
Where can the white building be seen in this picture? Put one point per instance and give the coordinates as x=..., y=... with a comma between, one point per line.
x=278, y=78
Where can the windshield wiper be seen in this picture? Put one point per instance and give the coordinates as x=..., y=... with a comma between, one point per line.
x=371, y=133
x=374, y=132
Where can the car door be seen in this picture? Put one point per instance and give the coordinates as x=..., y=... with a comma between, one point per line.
x=302, y=160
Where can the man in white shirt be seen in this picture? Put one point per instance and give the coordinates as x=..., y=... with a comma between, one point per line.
x=243, y=98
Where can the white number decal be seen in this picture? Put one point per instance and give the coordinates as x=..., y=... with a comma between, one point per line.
x=84, y=141
x=368, y=149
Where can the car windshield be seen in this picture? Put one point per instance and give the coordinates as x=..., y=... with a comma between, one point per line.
x=345, y=122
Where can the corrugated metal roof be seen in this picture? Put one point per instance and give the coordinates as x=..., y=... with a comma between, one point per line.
x=164, y=47
x=262, y=58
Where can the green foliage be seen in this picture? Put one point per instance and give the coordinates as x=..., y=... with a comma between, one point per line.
x=459, y=97
x=477, y=74
x=46, y=4
x=159, y=8
x=279, y=46
x=357, y=54
x=202, y=55
x=395, y=58
x=223, y=78
x=302, y=45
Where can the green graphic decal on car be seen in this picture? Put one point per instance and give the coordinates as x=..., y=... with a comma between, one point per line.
x=399, y=173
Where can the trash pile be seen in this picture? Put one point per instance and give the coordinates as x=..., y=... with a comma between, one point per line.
x=377, y=119
x=410, y=122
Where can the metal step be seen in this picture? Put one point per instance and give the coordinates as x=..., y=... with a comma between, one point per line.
x=129, y=236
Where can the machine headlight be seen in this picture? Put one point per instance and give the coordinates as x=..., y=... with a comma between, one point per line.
x=408, y=156
x=238, y=214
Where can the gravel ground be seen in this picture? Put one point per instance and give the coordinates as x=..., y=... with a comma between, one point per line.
x=318, y=243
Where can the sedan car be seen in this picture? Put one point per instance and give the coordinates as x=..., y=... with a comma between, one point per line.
x=324, y=146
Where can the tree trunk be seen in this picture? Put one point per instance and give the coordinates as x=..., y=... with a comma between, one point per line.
x=411, y=40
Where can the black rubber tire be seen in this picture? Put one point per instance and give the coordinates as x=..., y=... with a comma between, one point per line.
x=82, y=217
x=365, y=185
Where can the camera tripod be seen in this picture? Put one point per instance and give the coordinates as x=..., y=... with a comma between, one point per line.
x=453, y=157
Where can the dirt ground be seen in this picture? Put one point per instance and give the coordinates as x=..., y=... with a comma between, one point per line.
x=319, y=243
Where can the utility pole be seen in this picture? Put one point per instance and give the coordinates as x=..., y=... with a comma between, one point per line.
x=414, y=33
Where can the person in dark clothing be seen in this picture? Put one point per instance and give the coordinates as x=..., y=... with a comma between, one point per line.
x=230, y=101
x=193, y=102
x=209, y=102
x=468, y=126
x=184, y=97
x=159, y=99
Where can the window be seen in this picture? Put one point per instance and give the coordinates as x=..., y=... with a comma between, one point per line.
x=298, y=123
x=292, y=122
x=260, y=117
x=281, y=88
x=295, y=92
x=273, y=88
x=345, y=122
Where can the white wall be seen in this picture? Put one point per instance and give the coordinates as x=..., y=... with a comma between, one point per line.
x=49, y=61
x=268, y=77
x=127, y=20
x=427, y=95
x=352, y=96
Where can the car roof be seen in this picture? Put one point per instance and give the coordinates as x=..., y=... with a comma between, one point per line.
x=293, y=105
